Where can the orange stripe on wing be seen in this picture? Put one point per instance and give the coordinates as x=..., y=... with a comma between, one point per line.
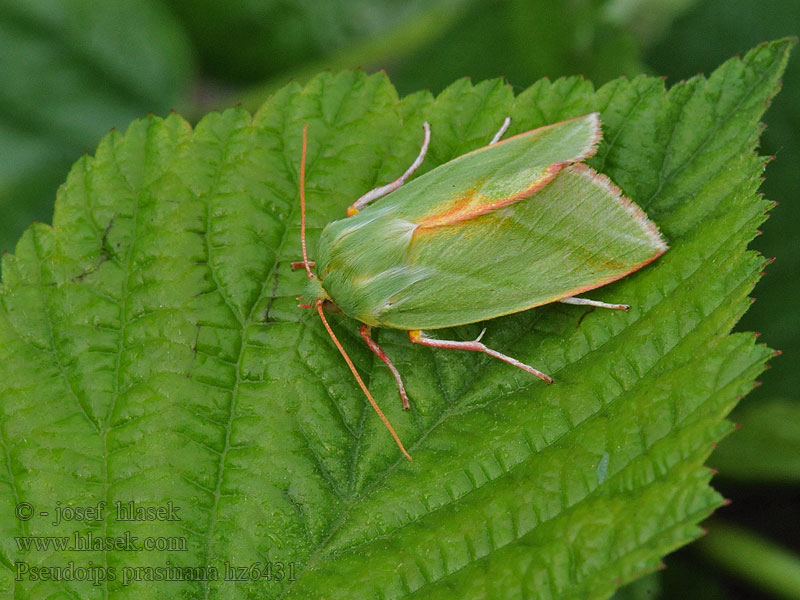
x=466, y=208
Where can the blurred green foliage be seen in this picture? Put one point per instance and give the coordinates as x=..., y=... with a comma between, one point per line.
x=72, y=69
x=69, y=72
x=256, y=39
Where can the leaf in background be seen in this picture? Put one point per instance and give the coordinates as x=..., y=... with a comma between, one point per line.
x=70, y=72
x=688, y=577
x=276, y=36
x=768, y=446
x=151, y=351
x=648, y=20
x=522, y=40
x=749, y=557
x=644, y=588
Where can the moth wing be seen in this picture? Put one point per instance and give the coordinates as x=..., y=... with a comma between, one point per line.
x=494, y=176
x=576, y=234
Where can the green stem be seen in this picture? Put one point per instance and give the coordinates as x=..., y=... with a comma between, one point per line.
x=752, y=558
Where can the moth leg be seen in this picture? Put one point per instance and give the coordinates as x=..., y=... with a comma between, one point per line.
x=501, y=131
x=598, y=304
x=381, y=191
x=418, y=337
x=373, y=345
x=301, y=264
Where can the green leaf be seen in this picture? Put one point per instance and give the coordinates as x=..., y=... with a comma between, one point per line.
x=717, y=28
x=70, y=72
x=151, y=351
x=754, y=559
x=767, y=448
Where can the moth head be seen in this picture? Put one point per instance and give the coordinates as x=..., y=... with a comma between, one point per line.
x=315, y=290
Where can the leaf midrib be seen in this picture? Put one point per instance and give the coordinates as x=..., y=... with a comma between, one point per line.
x=122, y=303
x=702, y=84
x=223, y=454
x=272, y=277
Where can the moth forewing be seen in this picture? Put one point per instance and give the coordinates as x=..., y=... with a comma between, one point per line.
x=576, y=234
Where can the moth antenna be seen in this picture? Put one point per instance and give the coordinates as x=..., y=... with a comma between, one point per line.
x=360, y=381
x=501, y=131
x=319, y=301
x=380, y=192
x=303, y=202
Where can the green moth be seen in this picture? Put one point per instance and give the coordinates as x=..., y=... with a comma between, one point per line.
x=513, y=225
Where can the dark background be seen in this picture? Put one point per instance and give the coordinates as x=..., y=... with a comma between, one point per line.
x=71, y=70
